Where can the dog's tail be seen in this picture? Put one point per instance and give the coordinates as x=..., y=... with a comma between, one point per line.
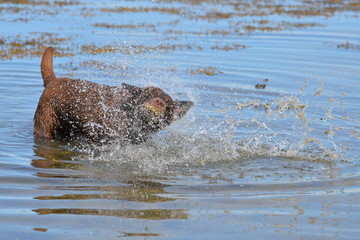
x=47, y=70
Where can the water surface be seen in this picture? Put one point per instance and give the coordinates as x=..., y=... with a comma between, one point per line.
x=270, y=149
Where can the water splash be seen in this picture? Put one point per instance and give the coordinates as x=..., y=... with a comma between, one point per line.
x=289, y=126
x=298, y=126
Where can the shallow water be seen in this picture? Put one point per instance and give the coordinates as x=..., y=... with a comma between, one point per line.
x=280, y=160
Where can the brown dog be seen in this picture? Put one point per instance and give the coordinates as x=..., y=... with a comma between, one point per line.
x=98, y=113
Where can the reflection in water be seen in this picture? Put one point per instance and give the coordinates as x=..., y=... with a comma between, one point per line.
x=147, y=192
x=40, y=229
x=54, y=156
x=152, y=214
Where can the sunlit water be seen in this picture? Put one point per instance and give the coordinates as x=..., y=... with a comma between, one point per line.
x=279, y=161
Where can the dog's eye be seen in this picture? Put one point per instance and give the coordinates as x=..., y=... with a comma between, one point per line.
x=160, y=104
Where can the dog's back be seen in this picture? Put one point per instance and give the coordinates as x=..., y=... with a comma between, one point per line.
x=70, y=107
x=78, y=108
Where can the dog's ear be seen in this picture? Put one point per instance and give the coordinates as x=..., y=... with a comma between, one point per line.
x=134, y=90
x=180, y=108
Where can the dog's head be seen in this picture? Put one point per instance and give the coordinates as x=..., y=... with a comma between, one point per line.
x=155, y=108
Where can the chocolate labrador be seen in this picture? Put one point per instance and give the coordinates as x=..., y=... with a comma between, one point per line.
x=99, y=113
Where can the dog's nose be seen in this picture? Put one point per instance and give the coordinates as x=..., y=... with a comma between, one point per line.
x=180, y=108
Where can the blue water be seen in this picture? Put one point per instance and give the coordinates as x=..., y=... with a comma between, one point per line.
x=280, y=162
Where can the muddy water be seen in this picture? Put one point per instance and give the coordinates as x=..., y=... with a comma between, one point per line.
x=270, y=150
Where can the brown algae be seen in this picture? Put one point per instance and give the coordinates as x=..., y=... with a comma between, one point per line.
x=209, y=71
x=32, y=45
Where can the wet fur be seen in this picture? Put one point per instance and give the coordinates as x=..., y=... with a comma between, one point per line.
x=99, y=113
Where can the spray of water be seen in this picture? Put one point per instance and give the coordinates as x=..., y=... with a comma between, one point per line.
x=285, y=127
x=295, y=127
